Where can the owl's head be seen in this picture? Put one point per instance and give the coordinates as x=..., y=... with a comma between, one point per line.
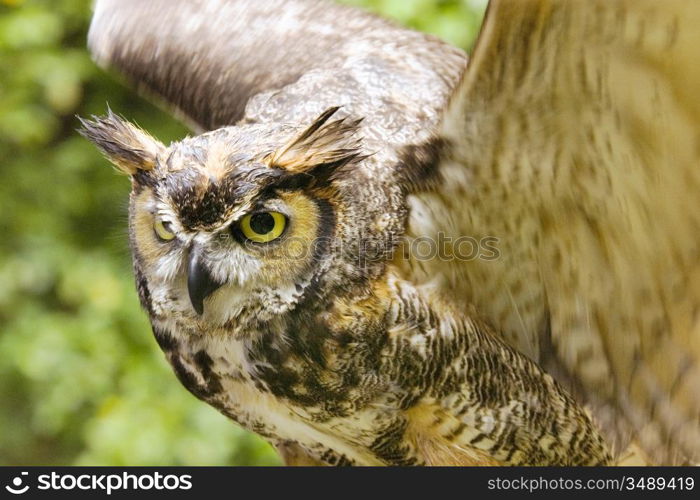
x=245, y=223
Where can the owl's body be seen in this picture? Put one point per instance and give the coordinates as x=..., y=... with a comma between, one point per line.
x=339, y=356
x=276, y=255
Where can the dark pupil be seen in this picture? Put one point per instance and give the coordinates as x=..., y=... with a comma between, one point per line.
x=262, y=223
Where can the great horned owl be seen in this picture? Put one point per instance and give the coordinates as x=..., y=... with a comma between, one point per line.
x=270, y=251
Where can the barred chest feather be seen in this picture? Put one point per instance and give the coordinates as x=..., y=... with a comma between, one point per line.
x=281, y=402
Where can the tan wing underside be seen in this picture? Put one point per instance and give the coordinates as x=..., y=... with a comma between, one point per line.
x=577, y=140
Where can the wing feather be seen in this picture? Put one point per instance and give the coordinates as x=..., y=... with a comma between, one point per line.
x=206, y=59
x=575, y=141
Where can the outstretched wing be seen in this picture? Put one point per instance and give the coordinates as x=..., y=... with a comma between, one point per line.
x=208, y=58
x=573, y=162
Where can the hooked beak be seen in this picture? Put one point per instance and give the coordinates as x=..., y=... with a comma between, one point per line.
x=200, y=283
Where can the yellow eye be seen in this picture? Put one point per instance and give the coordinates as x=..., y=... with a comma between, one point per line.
x=263, y=227
x=163, y=230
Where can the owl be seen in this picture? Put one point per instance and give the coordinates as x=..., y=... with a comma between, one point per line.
x=280, y=253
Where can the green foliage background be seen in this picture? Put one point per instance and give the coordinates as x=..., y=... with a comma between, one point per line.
x=81, y=379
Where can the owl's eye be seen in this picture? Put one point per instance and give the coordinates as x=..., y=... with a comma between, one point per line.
x=263, y=227
x=163, y=230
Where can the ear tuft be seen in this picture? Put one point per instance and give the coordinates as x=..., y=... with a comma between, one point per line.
x=322, y=144
x=126, y=145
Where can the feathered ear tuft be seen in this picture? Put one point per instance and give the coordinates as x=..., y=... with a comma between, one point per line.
x=322, y=146
x=127, y=146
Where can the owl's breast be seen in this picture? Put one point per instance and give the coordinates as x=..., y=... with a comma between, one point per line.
x=259, y=391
